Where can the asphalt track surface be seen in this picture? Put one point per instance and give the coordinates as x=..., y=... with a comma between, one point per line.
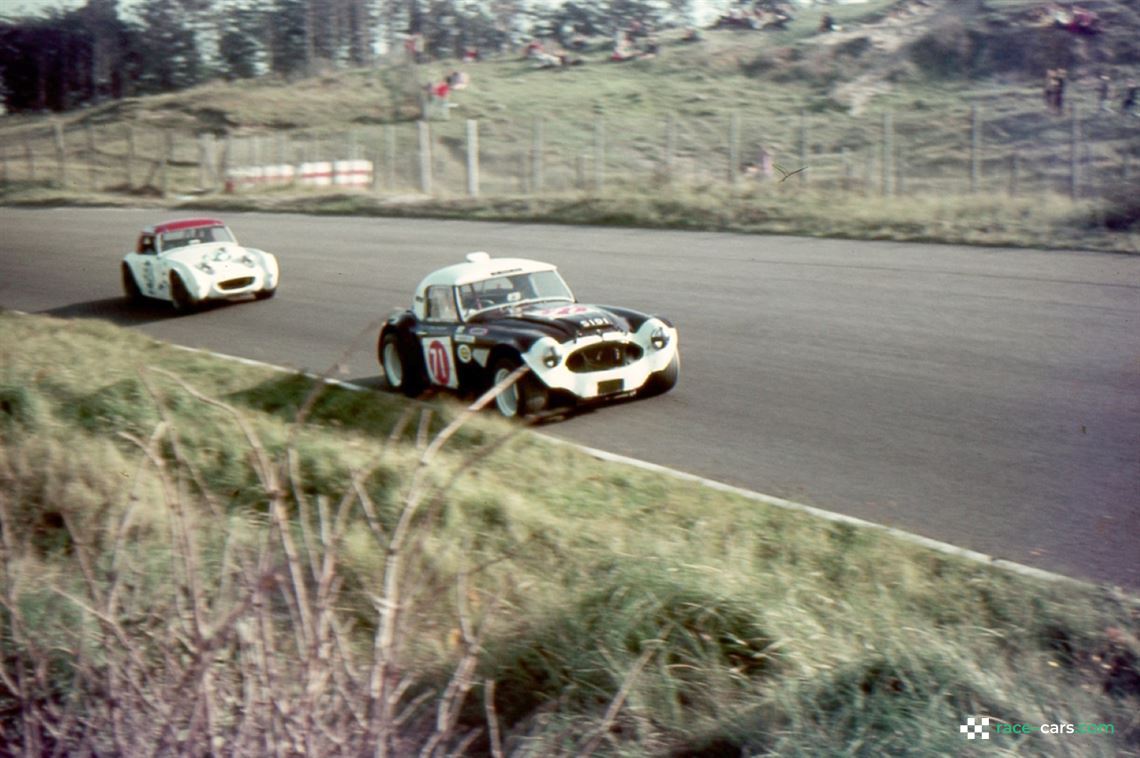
x=988, y=398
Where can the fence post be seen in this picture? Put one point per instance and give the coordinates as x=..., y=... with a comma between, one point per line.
x=536, y=156
x=224, y=161
x=130, y=158
x=599, y=154
x=425, y=156
x=888, y=148
x=92, y=156
x=164, y=159
x=31, y=157
x=900, y=172
x=847, y=170
x=803, y=146
x=670, y=145
x=60, y=153
x=390, y=156
x=975, y=147
x=472, y=158
x=1126, y=166
x=733, y=148
x=1074, y=167
x=375, y=156
x=203, y=161
x=869, y=171
x=4, y=165
x=1014, y=171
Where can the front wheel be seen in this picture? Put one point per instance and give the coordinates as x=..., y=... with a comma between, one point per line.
x=662, y=381
x=524, y=397
x=130, y=286
x=265, y=294
x=399, y=369
x=184, y=302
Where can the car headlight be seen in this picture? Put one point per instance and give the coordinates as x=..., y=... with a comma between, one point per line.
x=659, y=338
x=203, y=266
x=551, y=357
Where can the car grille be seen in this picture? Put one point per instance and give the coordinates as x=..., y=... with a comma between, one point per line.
x=603, y=356
x=235, y=284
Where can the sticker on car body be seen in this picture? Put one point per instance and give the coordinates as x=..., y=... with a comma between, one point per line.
x=437, y=357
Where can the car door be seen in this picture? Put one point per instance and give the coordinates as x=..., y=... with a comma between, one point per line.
x=436, y=334
x=147, y=267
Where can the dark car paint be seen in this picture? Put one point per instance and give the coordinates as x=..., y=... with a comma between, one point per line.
x=506, y=331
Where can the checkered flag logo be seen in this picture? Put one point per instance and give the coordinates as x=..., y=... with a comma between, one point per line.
x=973, y=727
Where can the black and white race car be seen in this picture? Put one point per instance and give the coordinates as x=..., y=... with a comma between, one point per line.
x=472, y=324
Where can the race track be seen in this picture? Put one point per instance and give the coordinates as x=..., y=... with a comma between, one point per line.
x=988, y=398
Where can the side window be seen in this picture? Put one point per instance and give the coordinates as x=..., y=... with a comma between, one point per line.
x=441, y=304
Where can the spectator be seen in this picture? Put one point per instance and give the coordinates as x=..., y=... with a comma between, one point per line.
x=1102, y=92
x=1128, y=103
x=1055, y=89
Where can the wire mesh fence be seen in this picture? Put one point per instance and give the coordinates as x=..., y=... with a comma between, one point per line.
x=1080, y=153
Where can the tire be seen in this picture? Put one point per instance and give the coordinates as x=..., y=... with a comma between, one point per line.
x=401, y=371
x=265, y=294
x=662, y=381
x=183, y=301
x=524, y=397
x=131, y=286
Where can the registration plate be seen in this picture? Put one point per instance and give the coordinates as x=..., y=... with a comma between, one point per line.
x=611, y=386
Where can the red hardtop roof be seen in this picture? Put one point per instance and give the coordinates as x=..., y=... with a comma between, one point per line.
x=186, y=223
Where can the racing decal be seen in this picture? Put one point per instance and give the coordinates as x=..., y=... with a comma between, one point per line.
x=148, y=276
x=437, y=356
x=566, y=310
x=481, y=354
x=464, y=353
x=477, y=330
x=469, y=339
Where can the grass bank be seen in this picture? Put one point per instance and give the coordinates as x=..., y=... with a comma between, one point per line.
x=205, y=557
x=1043, y=222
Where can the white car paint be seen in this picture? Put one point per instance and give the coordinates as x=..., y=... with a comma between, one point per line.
x=208, y=270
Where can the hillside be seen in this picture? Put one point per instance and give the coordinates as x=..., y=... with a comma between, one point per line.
x=906, y=101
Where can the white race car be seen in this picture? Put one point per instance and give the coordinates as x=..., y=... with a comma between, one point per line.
x=193, y=260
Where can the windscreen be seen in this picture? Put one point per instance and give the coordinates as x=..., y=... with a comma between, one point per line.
x=512, y=289
x=195, y=236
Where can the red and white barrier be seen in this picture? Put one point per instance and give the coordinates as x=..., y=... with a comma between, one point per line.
x=356, y=173
x=259, y=176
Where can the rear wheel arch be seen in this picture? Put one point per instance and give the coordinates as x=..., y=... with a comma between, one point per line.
x=131, y=286
x=401, y=361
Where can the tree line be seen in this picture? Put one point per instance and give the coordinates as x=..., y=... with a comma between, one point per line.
x=63, y=59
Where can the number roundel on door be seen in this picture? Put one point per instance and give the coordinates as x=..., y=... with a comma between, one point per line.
x=437, y=356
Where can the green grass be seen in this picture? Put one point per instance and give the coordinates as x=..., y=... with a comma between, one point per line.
x=674, y=618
